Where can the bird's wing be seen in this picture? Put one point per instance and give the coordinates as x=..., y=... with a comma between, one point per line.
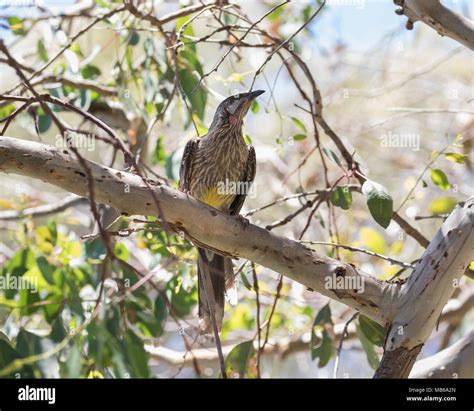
x=186, y=164
x=248, y=177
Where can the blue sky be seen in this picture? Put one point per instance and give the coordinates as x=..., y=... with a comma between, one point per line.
x=359, y=27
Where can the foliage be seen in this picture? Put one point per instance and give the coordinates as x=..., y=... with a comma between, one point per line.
x=81, y=313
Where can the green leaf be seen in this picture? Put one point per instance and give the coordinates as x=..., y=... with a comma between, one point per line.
x=299, y=124
x=440, y=179
x=134, y=38
x=58, y=332
x=322, y=349
x=238, y=359
x=299, y=137
x=182, y=300
x=456, y=157
x=27, y=300
x=193, y=62
x=161, y=313
x=172, y=166
x=245, y=281
x=342, y=197
x=95, y=249
x=90, y=72
x=7, y=353
x=4, y=314
x=21, y=262
x=159, y=155
x=42, y=52
x=442, y=205
x=255, y=107
x=379, y=201
x=73, y=362
x=332, y=156
x=16, y=25
x=121, y=251
x=188, y=30
x=28, y=344
x=372, y=356
x=323, y=316
x=321, y=342
x=46, y=269
x=374, y=332
x=44, y=123
x=137, y=356
x=6, y=110
x=197, y=96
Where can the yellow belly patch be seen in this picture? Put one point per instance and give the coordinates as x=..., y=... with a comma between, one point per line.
x=215, y=199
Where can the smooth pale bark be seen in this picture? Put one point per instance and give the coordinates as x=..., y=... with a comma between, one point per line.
x=409, y=311
x=445, y=21
x=201, y=224
x=456, y=361
x=427, y=290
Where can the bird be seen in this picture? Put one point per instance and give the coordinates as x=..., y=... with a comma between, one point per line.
x=211, y=169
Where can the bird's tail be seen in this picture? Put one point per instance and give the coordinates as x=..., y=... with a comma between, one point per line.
x=219, y=270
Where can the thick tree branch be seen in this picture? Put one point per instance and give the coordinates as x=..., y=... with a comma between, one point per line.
x=445, y=21
x=427, y=290
x=202, y=224
x=456, y=361
x=409, y=311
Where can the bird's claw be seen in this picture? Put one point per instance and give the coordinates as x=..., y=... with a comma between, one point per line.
x=245, y=222
x=184, y=190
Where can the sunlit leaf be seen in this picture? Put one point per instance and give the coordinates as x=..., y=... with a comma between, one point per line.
x=379, y=201
x=442, y=205
x=299, y=124
x=440, y=179
x=456, y=157
x=42, y=52
x=255, y=107
x=299, y=137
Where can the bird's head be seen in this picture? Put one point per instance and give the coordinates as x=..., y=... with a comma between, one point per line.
x=231, y=112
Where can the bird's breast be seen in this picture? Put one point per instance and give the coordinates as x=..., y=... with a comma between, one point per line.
x=217, y=169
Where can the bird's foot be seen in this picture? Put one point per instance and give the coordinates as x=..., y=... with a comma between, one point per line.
x=184, y=190
x=245, y=222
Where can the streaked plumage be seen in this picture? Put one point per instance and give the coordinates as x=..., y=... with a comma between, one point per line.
x=220, y=156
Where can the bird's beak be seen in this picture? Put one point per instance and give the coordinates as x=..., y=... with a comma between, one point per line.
x=246, y=100
x=254, y=94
